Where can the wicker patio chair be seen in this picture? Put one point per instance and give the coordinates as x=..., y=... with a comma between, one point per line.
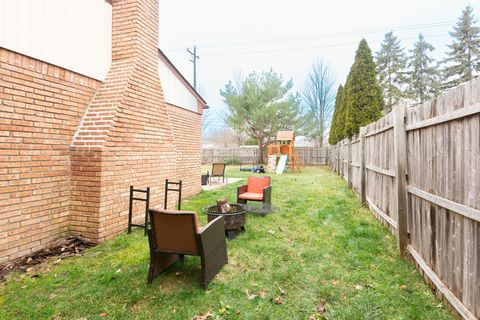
x=174, y=234
x=257, y=189
x=218, y=170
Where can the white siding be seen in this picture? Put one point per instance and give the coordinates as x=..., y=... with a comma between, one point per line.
x=74, y=34
x=175, y=91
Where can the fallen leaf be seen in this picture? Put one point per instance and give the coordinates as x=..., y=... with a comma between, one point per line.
x=205, y=316
x=403, y=287
x=271, y=232
x=321, y=306
x=251, y=296
x=277, y=300
x=103, y=314
x=57, y=261
x=358, y=287
x=262, y=293
x=334, y=282
x=312, y=317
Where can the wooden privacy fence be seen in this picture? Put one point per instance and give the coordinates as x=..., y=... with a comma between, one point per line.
x=418, y=170
x=245, y=155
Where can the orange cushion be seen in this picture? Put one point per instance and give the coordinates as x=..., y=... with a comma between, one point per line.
x=256, y=184
x=251, y=196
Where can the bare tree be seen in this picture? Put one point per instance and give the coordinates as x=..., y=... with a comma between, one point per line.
x=206, y=120
x=318, y=98
x=224, y=138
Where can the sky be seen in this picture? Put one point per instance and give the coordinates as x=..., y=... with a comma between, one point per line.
x=238, y=37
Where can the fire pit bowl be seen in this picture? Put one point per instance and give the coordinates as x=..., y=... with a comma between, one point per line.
x=234, y=219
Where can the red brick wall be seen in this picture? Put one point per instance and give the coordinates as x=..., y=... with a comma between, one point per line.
x=187, y=128
x=70, y=146
x=40, y=108
x=129, y=131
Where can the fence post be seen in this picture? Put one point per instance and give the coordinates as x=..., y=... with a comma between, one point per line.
x=349, y=162
x=339, y=171
x=400, y=162
x=341, y=155
x=363, y=191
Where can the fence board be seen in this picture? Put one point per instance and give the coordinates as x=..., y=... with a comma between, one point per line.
x=379, y=162
x=442, y=188
x=249, y=155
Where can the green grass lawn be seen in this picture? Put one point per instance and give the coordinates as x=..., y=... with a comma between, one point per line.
x=320, y=255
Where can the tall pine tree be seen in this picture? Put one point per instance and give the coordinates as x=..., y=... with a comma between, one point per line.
x=391, y=64
x=363, y=99
x=423, y=75
x=463, y=61
x=337, y=125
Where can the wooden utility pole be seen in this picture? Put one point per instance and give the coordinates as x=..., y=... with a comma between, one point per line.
x=194, y=59
x=400, y=162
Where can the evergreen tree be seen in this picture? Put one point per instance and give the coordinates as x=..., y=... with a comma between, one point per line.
x=423, y=74
x=463, y=61
x=363, y=100
x=391, y=64
x=337, y=122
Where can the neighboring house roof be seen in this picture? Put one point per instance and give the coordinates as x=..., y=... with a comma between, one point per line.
x=182, y=79
x=285, y=136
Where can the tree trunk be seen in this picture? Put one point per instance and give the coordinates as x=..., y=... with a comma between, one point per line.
x=260, y=153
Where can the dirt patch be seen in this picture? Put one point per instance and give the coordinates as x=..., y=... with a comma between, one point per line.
x=61, y=249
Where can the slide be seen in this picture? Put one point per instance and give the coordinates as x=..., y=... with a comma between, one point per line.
x=282, y=162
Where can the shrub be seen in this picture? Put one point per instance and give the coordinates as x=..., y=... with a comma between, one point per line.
x=231, y=161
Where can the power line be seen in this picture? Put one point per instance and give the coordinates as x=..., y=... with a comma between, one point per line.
x=306, y=48
x=321, y=36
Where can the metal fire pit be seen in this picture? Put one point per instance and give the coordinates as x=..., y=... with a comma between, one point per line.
x=234, y=219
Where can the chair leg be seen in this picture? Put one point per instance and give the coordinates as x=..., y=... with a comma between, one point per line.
x=211, y=264
x=160, y=262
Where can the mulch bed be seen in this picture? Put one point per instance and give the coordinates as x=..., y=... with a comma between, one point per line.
x=61, y=249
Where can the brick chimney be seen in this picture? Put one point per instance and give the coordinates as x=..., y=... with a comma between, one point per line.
x=125, y=137
x=135, y=30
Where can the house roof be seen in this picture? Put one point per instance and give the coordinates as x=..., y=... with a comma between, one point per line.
x=285, y=136
x=180, y=77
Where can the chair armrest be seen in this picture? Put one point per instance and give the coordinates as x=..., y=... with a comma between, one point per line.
x=212, y=225
x=242, y=189
x=212, y=236
x=267, y=195
x=213, y=249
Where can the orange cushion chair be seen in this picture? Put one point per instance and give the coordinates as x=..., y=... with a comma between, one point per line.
x=257, y=189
